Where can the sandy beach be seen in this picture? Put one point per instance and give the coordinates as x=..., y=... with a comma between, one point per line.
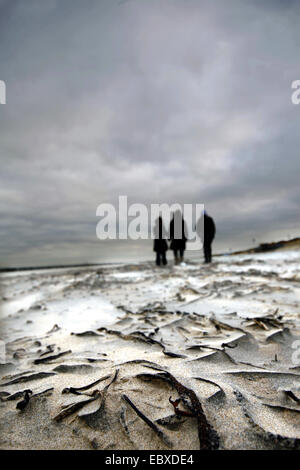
x=139, y=357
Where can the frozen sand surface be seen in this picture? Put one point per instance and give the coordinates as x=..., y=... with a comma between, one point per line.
x=233, y=323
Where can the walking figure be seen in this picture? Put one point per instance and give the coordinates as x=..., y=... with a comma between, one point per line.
x=178, y=236
x=206, y=229
x=160, y=243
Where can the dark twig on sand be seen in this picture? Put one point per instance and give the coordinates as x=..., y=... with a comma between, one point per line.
x=153, y=426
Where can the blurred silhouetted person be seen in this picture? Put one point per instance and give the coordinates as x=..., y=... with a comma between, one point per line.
x=206, y=229
x=178, y=236
x=160, y=243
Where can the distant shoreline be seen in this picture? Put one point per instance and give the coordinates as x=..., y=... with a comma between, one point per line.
x=261, y=248
x=60, y=266
x=272, y=246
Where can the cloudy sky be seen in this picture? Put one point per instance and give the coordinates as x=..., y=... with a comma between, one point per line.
x=160, y=100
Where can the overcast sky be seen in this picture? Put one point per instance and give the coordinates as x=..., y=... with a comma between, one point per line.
x=160, y=100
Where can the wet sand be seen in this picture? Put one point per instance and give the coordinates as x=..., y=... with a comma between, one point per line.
x=139, y=357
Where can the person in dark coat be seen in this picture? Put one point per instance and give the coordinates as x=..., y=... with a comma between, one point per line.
x=206, y=229
x=178, y=236
x=160, y=243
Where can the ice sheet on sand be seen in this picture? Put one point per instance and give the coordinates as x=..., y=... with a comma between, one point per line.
x=72, y=314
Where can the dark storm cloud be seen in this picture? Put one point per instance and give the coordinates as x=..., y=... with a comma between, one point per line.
x=162, y=100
